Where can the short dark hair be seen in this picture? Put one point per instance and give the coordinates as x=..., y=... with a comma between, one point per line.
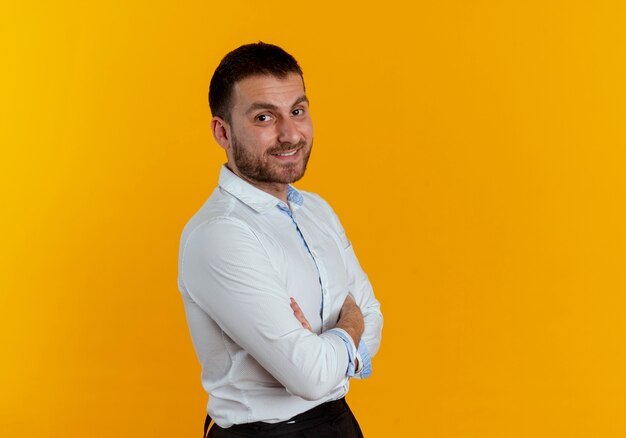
x=248, y=60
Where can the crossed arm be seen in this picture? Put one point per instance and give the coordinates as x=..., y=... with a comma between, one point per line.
x=350, y=318
x=228, y=274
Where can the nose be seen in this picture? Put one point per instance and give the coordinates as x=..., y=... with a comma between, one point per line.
x=288, y=131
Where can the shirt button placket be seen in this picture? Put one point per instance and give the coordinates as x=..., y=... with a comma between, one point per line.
x=324, y=286
x=322, y=276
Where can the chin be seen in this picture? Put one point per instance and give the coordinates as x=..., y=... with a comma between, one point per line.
x=293, y=176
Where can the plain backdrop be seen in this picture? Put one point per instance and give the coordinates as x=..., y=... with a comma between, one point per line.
x=474, y=151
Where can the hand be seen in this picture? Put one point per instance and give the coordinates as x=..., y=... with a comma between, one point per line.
x=297, y=311
x=350, y=319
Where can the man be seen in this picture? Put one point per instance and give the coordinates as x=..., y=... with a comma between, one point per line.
x=280, y=312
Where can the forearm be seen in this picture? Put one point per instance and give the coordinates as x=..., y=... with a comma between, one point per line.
x=351, y=320
x=349, y=329
x=244, y=296
x=361, y=289
x=370, y=307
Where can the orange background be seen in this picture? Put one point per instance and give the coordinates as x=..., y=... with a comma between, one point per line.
x=473, y=150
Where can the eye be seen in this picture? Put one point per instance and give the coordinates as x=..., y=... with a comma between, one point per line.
x=263, y=117
x=298, y=112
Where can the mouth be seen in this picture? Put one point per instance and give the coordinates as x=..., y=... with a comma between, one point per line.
x=286, y=155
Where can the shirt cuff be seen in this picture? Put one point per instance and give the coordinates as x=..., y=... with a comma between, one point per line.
x=351, y=349
x=365, y=361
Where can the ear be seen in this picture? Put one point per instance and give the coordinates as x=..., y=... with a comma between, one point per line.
x=221, y=132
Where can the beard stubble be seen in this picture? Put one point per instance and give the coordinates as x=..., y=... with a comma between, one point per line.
x=266, y=170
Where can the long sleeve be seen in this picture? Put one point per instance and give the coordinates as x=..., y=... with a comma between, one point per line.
x=228, y=273
x=363, y=293
x=360, y=287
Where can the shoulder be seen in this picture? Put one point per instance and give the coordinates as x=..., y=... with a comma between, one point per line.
x=219, y=243
x=220, y=221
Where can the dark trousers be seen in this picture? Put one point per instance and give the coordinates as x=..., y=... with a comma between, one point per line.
x=329, y=420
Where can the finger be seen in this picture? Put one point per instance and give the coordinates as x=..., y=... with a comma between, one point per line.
x=297, y=311
x=302, y=319
x=295, y=307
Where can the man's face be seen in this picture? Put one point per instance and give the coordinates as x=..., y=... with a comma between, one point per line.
x=271, y=130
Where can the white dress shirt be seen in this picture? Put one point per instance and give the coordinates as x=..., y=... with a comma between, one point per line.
x=242, y=256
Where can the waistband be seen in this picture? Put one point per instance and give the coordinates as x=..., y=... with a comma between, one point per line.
x=308, y=419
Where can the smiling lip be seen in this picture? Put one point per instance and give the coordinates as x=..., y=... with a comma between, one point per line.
x=287, y=154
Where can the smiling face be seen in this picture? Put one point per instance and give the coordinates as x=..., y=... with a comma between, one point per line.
x=269, y=138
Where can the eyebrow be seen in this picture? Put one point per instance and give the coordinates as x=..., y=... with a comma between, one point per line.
x=270, y=106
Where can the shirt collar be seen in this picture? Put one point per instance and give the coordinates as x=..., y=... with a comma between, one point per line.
x=256, y=199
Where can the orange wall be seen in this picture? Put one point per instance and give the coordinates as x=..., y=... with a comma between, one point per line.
x=474, y=151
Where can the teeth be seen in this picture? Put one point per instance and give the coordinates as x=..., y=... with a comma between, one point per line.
x=288, y=154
